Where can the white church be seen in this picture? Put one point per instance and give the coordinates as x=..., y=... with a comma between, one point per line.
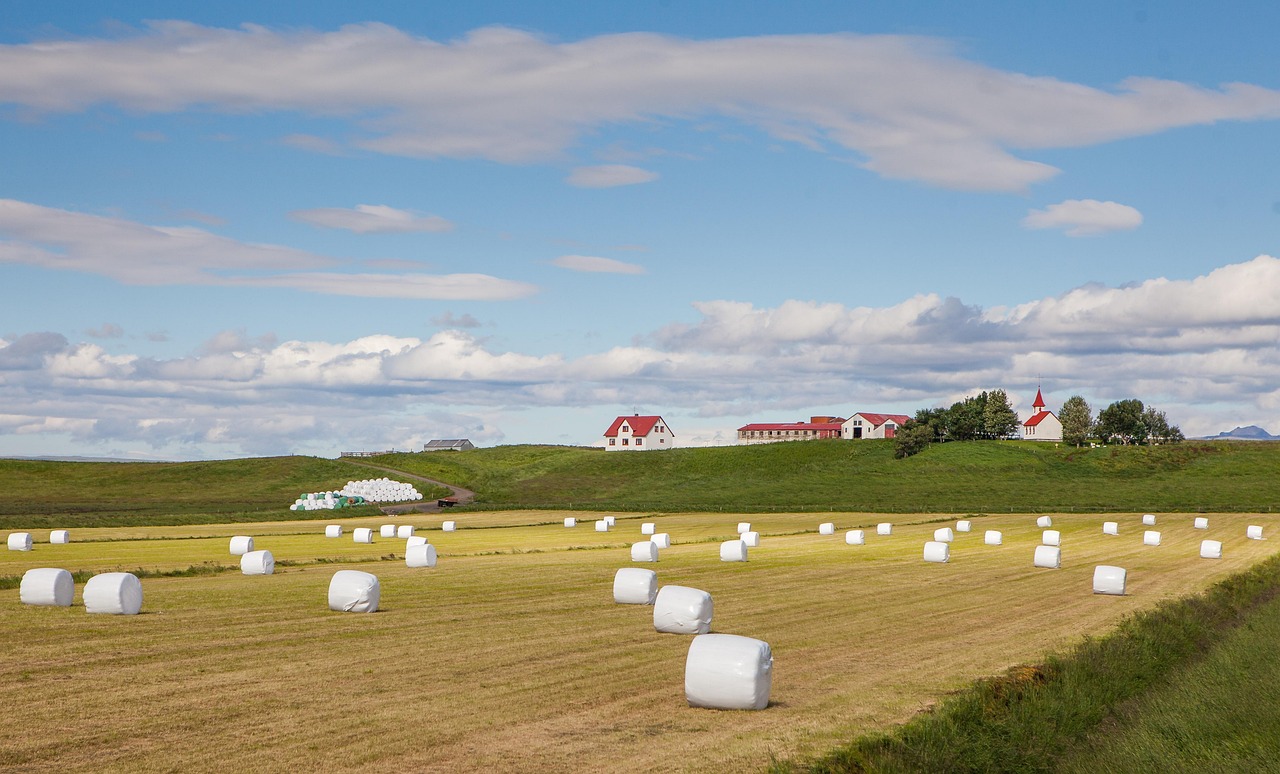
x=1043, y=424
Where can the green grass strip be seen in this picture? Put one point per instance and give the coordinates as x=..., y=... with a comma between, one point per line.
x=1030, y=718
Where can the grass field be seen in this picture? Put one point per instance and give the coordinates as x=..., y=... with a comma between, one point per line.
x=510, y=655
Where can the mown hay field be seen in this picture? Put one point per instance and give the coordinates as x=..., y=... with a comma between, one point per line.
x=510, y=654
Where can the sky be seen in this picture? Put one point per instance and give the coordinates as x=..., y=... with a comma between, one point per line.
x=241, y=229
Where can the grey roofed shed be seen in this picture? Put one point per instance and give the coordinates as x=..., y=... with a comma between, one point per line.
x=449, y=444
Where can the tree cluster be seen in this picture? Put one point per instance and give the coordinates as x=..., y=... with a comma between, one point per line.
x=1125, y=422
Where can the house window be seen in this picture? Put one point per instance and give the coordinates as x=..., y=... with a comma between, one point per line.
x=662, y=440
x=639, y=442
x=624, y=441
x=612, y=441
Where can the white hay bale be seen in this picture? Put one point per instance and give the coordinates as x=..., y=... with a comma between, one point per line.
x=47, y=586
x=682, y=610
x=258, y=563
x=1148, y=520
x=1210, y=549
x=752, y=539
x=937, y=551
x=648, y=528
x=1151, y=538
x=993, y=538
x=420, y=555
x=827, y=528
x=602, y=525
x=19, y=541
x=241, y=545
x=661, y=540
x=333, y=530
x=570, y=522
x=1051, y=537
x=635, y=586
x=612, y=521
x=1110, y=528
x=404, y=531
x=353, y=591
x=1253, y=532
x=884, y=528
x=1202, y=522
x=855, y=537
x=1109, y=580
x=963, y=526
x=733, y=551
x=1048, y=556
x=59, y=536
x=1044, y=522
x=944, y=535
x=744, y=526
x=387, y=531
x=728, y=672
x=362, y=535
x=449, y=526
x=113, y=593
x=644, y=551
x=416, y=540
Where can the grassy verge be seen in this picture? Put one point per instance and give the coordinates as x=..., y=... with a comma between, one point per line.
x=1031, y=718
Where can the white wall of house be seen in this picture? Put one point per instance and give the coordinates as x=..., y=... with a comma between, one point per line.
x=849, y=430
x=658, y=438
x=1049, y=429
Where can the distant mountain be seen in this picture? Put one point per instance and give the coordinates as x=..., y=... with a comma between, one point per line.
x=1250, y=433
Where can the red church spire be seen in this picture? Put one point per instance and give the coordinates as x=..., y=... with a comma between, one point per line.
x=1039, y=402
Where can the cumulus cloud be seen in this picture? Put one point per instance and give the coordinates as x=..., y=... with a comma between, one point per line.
x=372, y=219
x=609, y=176
x=591, y=263
x=1085, y=217
x=450, y=320
x=911, y=107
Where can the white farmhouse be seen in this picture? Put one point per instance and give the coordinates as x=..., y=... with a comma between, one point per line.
x=638, y=433
x=867, y=425
x=1042, y=425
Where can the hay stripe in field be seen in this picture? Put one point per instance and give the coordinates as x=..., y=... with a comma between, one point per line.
x=635, y=586
x=49, y=586
x=113, y=593
x=728, y=672
x=682, y=610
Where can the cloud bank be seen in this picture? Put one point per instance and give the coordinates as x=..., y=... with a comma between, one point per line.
x=1085, y=217
x=372, y=219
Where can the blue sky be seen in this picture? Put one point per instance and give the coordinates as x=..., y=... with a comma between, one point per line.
x=315, y=227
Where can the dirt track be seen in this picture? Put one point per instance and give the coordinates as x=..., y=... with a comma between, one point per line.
x=463, y=496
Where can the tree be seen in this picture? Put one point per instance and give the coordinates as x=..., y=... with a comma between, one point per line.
x=1158, y=429
x=1077, y=420
x=964, y=418
x=912, y=438
x=1122, y=421
x=936, y=420
x=999, y=420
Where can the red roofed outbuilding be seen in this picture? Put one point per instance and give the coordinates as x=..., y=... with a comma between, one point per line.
x=865, y=424
x=638, y=433
x=815, y=429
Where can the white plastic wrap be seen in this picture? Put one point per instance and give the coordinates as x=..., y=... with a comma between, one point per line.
x=944, y=535
x=416, y=540
x=1148, y=520
x=1109, y=580
x=728, y=672
x=113, y=593
x=387, y=531
x=1253, y=532
x=1150, y=538
x=1044, y=522
x=612, y=521
x=827, y=528
x=404, y=531
x=362, y=535
x=993, y=537
x=570, y=521
x=449, y=526
x=420, y=555
x=744, y=526
x=733, y=551
x=333, y=531
x=752, y=539
x=1110, y=528
x=19, y=541
x=241, y=545
x=648, y=528
x=602, y=525
x=884, y=528
x=1210, y=549
x=635, y=586
x=258, y=563
x=661, y=540
x=1048, y=556
x=644, y=551
x=855, y=537
x=47, y=586
x=963, y=526
x=1051, y=537
x=352, y=591
x=1202, y=522
x=59, y=536
x=937, y=551
x=682, y=610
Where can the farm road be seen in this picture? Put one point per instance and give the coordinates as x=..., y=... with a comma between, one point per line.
x=463, y=496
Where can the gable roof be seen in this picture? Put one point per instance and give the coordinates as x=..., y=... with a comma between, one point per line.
x=447, y=443
x=879, y=419
x=1037, y=418
x=640, y=426
x=833, y=426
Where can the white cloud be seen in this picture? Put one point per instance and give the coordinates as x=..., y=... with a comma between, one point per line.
x=444, y=287
x=372, y=219
x=609, y=176
x=450, y=320
x=910, y=106
x=1085, y=217
x=107, y=331
x=591, y=263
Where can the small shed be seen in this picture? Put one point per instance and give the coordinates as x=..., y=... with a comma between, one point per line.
x=449, y=444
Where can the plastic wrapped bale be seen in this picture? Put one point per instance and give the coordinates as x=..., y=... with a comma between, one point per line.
x=387, y=530
x=733, y=551
x=570, y=522
x=1202, y=522
x=644, y=551
x=19, y=541
x=1044, y=522
x=362, y=535
x=59, y=536
x=113, y=593
x=352, y=591
x=635, y=586
x=827, y=528
x=963, y=526
x=1210, y=549
x=884, y=528
x=937, y=551
x=1110, y=528
x=1108, y=580
x=1148, y=520
x=416, y=540
x=258, y=563
x=744, y=526
x=333, y=530
x=421, y=555
x=404, y=531
x=751, y=539
x=943, y=535
x=1150, y=538
x=47, y=586
x=648, y=528
x=612, y=521
x=602, y=525
x=449, y=526
x=1051, y=537
x=1048, y=556
x=661, y=540
x=682, y=610
x=993, y=538
x=241, y=545
x=855, y=537
x=1253, y=532
x=728, y=672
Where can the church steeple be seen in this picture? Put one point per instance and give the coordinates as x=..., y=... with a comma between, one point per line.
x=1039, y=404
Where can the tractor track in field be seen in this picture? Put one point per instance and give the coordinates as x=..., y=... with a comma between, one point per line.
x=463, y=496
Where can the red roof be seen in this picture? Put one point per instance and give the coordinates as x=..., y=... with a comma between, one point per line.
x=879, y=419
x=792, y=426
x=1039, y=402
x=640, y=426
x=1037, y=418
